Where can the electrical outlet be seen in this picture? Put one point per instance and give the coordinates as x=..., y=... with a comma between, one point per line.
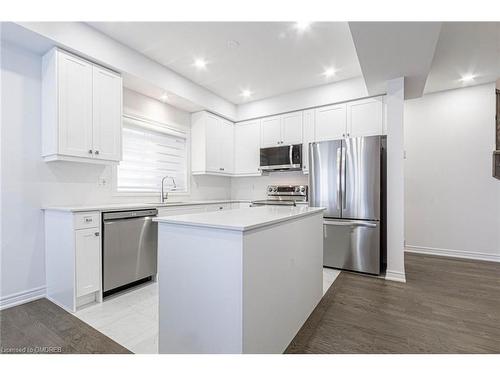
x=102, y=181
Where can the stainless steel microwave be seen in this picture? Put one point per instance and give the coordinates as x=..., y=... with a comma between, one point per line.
x=282, y=158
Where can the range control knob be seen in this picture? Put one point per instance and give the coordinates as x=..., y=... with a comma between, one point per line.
x=270, y=189
x=302, y=189
x=297, y=189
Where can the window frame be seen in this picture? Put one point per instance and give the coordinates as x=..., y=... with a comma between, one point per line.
x=173, y=127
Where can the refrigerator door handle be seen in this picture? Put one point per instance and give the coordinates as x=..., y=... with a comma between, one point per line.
x=343, y=178
x=339, y=196
x=350, y=223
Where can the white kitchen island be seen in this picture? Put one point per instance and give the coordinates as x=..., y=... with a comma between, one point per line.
x=238, y=281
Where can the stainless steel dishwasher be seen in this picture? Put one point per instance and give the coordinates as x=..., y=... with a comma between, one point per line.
x=130, y=248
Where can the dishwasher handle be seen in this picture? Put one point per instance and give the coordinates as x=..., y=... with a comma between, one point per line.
x=120, y=215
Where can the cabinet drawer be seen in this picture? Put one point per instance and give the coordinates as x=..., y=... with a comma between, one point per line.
x=87, y=220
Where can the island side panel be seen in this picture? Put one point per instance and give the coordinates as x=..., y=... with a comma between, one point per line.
x=200, y=290
x=282, y=281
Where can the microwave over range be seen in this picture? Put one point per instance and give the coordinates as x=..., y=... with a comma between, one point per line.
x=282, y=158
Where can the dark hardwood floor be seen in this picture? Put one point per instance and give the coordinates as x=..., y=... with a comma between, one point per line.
x=43, y=327
x=446, y=306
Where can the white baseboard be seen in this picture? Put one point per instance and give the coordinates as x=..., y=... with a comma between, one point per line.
x=395, y=276
x=22, y=297
x=452, y=253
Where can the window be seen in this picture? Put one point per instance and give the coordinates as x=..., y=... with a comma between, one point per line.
x=150, y=152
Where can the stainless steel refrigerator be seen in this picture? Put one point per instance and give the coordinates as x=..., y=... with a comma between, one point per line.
x=347, y=178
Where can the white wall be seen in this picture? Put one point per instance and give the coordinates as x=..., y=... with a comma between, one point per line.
x=395, y=180
x=452, y=201
x=336, y=92
x=28, y=183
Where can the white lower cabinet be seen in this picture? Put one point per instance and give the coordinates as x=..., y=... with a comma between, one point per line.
x=73, y=258
x=237, y=205
x=180, y=210
x=193, y=209
x=87, y=261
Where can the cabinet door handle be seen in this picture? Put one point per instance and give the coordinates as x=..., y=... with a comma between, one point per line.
x=96, y=152
x=90, y=151
x=96, y=234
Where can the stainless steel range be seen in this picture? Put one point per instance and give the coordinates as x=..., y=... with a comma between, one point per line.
x=283, y=195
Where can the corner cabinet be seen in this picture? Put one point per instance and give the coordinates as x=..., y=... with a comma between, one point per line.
x=212, y=144
x=73, y=258
x=81, y=110
x=247, y=148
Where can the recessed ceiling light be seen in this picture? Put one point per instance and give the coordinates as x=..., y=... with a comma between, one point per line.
x=200, y=63
x=467, y=78
x=246, y=93
x=164, y=97
x=329, y=72
x=302, y=25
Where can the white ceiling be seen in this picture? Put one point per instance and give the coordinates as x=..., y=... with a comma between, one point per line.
x=145, y=88
x=465, y=48
x=272, y=57
x=389, y=50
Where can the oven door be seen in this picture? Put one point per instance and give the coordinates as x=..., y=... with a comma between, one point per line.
x=281, y=158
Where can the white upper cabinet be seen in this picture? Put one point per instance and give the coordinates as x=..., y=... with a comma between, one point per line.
x=226, y=149
x=107, y=112
x=291, y=128
x=330, y=122
x=212, y=144
x=74, y=110
x=365, y=117
x=271, y=132
x=81, y=110
x=358, y=118
x=281, y=130
x=247, y=148
x=308, y=117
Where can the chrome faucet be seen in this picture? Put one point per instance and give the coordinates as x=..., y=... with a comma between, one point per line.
x=164, y=195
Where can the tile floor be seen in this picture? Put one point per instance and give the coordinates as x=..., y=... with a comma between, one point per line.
x=131, y=318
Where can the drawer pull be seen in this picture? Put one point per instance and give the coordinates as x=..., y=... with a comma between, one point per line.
x=96, y=234
x=88, y=219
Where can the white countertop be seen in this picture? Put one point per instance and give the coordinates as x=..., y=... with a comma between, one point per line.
x=133, y=206
x=241, y=219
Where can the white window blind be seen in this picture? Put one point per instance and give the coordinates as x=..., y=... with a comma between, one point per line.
x=150, y=152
